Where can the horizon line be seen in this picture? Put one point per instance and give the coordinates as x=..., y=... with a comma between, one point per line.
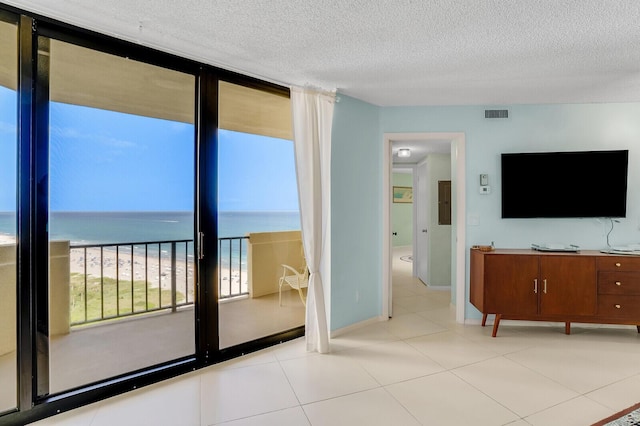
x=158, y=211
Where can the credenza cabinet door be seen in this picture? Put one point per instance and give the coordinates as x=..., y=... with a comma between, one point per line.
x=568, y=285
x=510, y=284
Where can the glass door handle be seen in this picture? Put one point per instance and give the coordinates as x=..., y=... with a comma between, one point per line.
x=201, y=245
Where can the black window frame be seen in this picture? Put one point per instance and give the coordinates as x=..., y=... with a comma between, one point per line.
x=32, y=275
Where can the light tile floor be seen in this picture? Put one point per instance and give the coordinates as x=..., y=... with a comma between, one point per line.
x=419, y=368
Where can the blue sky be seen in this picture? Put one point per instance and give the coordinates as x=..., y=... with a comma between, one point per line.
x=256, y=173
x=8, y=112
x=109, y=161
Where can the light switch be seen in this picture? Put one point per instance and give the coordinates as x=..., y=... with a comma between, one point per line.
x=484, y=190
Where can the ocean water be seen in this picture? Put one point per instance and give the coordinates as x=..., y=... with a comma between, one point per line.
x=128, y=227
x=87, y=228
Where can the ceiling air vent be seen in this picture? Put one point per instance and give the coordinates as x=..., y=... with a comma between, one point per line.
x=496, y=113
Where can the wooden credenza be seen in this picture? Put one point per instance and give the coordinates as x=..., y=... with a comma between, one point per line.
x=584, y=287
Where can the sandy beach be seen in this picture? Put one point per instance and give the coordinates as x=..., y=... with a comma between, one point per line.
x=156, y=270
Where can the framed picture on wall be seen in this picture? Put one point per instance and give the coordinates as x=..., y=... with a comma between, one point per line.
x=402, y=194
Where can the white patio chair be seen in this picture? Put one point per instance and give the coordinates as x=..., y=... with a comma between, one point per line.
x=295, y=279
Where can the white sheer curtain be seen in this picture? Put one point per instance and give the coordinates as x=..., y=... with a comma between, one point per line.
x=312, y=114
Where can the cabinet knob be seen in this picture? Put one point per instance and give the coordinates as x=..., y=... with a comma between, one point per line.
x=618, y=264
x=618, y=306
x=618, y=283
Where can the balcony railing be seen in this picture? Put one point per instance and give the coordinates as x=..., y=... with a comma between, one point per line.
x=117, y=280
x=232, y=262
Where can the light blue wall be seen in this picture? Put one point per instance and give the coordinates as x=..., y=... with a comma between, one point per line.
x=356, y=197
x=528, y=128
x=534, y=128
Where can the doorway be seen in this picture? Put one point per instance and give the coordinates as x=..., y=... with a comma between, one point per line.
x=402, y=214
x=403, y=226
x=456, y=148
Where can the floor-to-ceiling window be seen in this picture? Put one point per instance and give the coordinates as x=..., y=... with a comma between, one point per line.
x=126, y=175
x=121, y=149
x=8, y=204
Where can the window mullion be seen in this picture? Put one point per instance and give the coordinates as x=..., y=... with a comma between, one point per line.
x=26, y=243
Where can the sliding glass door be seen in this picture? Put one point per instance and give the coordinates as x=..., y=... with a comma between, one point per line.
x=121, y=161
x=262, y=272
x=149, y=221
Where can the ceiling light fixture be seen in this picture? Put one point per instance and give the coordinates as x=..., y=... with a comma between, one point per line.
x=404, y=153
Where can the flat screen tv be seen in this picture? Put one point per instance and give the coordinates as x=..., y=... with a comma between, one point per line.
x=564, y=184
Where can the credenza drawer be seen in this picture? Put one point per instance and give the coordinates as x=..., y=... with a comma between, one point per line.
x=623, y=282
x=619, y=306
x=618, y=263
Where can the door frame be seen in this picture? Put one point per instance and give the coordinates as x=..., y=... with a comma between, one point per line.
x=458, y=148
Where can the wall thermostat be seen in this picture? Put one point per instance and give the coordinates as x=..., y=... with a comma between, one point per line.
x=484, y=179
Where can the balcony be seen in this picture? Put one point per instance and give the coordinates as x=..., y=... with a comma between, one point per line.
x=120, y=307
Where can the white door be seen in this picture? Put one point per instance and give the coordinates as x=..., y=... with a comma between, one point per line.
x=421, y=198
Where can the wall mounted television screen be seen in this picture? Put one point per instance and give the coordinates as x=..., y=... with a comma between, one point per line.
x=564, y=184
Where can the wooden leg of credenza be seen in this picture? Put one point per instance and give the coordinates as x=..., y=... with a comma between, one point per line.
x=484, y=321
x=638, y=327
x=567, y=328
x=496, y=324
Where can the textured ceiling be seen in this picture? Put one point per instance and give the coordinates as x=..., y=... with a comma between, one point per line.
x=411, y=52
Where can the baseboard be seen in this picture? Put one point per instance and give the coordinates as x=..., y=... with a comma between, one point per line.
x=344, y=330
x=439, y=287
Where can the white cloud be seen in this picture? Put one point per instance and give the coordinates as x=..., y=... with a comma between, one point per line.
x=72, y=133
x=116, y=143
